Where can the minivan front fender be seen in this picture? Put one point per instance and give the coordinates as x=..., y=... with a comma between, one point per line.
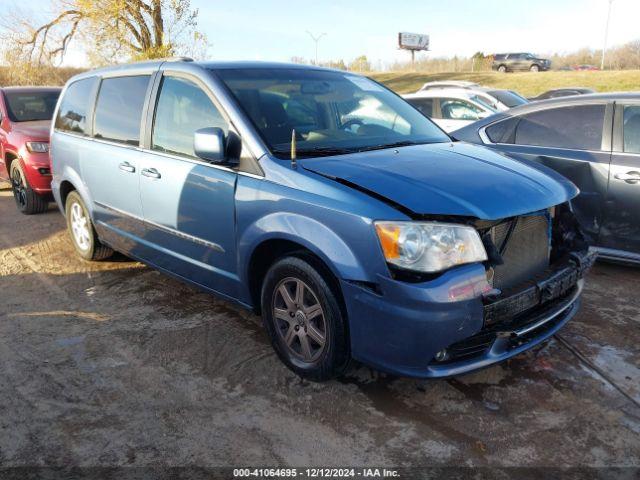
x=309, y=234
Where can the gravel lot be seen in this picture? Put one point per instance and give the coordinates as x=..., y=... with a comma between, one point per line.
x=113, y=364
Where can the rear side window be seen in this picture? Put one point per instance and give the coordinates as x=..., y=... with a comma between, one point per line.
x=504, y=131
x=578, y=127
x=119, y=109
x=632, y=129
x=425, y=105
x=182, y=108
x=455, y=109
x=75, y=106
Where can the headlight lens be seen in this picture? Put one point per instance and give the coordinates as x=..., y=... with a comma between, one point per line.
x=429, y=246
x=37, y=147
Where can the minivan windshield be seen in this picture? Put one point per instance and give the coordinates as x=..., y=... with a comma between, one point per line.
x=332, y=113
x=30, y=106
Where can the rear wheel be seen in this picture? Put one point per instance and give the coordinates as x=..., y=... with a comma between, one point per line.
x=502, y=68
x=534, y=68
x=302, y=315
x=27, y=200
x=84, y=236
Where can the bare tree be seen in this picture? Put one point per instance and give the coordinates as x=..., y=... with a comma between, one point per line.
x=108, y=29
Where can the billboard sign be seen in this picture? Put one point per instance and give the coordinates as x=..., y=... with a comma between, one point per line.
x=413, y=41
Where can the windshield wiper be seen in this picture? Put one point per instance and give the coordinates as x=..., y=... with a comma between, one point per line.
x=316, y=151
x=382, y=146
x=329, y=151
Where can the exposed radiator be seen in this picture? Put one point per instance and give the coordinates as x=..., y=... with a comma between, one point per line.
x=526, y=253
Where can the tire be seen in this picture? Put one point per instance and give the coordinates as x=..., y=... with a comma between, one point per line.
x=83, y=235
x=27, y=200
x=502, y=69
x=534, y=68
x=313, y=318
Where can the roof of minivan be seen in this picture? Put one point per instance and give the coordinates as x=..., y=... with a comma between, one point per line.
x=257, y=64
x=210, y=65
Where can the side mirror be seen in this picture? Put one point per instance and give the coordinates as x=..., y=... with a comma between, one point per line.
x=209, y=144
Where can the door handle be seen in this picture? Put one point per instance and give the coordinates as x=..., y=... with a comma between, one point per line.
x=127, y=167
x=151, y=173
x=629, y=177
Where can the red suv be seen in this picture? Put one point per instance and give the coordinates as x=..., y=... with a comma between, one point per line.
x=25, y=121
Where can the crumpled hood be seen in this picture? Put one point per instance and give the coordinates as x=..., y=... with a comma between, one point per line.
x=450, y=179
x=38, y=130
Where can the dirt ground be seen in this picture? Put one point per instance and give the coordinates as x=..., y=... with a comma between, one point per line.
x=112, y=364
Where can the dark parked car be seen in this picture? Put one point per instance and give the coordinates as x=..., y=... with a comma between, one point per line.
x=325, y=202
x=25, y=122
x=562, y=92
x=593, y=140
x=587, y=68
x=513, y=62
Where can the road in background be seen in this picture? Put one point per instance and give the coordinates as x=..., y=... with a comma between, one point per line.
x=115, y=364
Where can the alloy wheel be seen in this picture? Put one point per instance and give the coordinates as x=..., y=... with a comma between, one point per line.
x=80, y=227
x=19, y=188
x=300, y=320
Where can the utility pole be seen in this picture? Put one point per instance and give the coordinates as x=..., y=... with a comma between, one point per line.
x=316, y=39
x=606, y=35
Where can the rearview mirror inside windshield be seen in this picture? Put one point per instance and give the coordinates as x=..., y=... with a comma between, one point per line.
x=316, y=88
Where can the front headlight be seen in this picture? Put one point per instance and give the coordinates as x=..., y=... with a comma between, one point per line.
x=429, y=246
x=37, y=147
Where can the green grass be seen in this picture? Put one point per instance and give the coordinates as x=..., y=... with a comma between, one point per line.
x=527, y=84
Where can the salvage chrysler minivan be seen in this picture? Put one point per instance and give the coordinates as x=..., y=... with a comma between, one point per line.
x=327, y=204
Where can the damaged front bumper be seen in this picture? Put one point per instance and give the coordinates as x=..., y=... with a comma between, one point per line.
x=403, y=328
x=520, y=321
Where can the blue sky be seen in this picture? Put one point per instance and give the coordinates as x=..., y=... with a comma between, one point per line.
x=276, y=29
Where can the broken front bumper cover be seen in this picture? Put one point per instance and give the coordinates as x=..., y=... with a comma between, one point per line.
x=520, y=321
x=553, y=285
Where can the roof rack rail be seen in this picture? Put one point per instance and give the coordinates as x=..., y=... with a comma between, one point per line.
x=177, y=59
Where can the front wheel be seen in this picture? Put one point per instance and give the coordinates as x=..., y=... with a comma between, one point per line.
x=84, y=236
x=534, y=68
x=502, y=69
x=302, y=315
x=27, y=200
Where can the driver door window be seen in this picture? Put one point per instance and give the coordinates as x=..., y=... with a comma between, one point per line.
x=182, y=108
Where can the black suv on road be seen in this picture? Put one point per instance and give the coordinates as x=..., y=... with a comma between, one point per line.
x=511, y=62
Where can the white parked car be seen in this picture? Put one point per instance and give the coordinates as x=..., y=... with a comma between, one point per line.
x=499, y=99
x=451, y=108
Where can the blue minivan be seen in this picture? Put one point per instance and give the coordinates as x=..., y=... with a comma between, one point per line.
x=324, y=202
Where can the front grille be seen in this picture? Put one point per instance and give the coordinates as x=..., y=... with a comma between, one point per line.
x=526, y=253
